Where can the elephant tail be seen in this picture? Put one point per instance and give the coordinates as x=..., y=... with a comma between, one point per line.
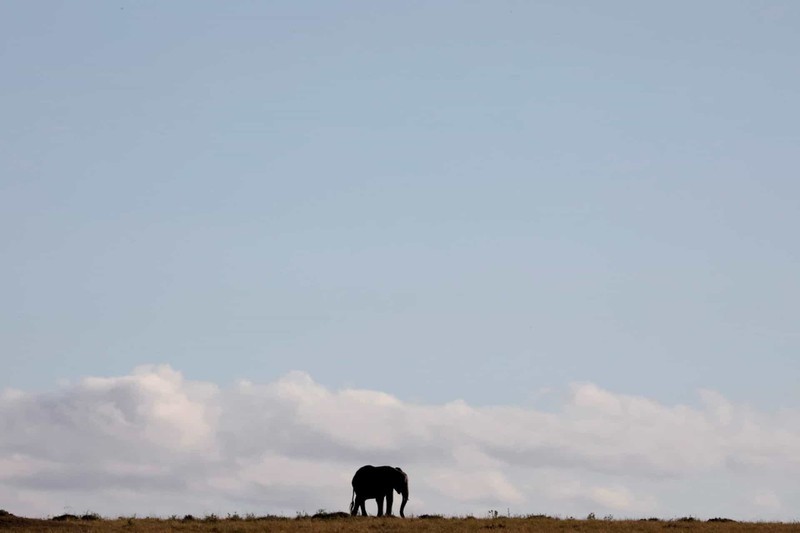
x=353, y=501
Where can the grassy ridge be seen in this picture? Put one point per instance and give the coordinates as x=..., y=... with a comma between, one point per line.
x=334, y=523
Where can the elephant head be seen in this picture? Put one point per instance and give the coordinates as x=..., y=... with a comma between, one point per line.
x=401, y=487
x=378, y=483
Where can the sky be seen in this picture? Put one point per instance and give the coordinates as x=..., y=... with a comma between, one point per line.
x=542, y=255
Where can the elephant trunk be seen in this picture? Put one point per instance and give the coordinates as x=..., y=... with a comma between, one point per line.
x=405, y=501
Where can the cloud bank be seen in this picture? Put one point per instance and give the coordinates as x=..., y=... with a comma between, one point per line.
x=155, y=443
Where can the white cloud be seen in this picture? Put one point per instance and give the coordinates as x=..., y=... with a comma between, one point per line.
x=607, y=498
x=479, y=485
x=619, y=498
x=768, y=500
x=154, y=442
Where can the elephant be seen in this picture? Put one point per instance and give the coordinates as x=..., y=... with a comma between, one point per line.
x=378, y=482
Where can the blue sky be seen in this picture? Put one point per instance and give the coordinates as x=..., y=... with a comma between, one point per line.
x=491, y=202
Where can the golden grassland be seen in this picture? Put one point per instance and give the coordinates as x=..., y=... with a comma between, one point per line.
x=337, y=523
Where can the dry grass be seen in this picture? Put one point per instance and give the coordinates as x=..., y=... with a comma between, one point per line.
x=328, y=523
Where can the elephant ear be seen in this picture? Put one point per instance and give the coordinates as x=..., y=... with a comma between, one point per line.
x=405, y=476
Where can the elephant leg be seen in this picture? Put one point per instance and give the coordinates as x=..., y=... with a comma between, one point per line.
x=363, y=508
x=389, y=498
x=379, y=499
x=359, y=502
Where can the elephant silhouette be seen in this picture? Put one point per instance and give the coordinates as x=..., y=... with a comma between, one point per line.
x=378, y=483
